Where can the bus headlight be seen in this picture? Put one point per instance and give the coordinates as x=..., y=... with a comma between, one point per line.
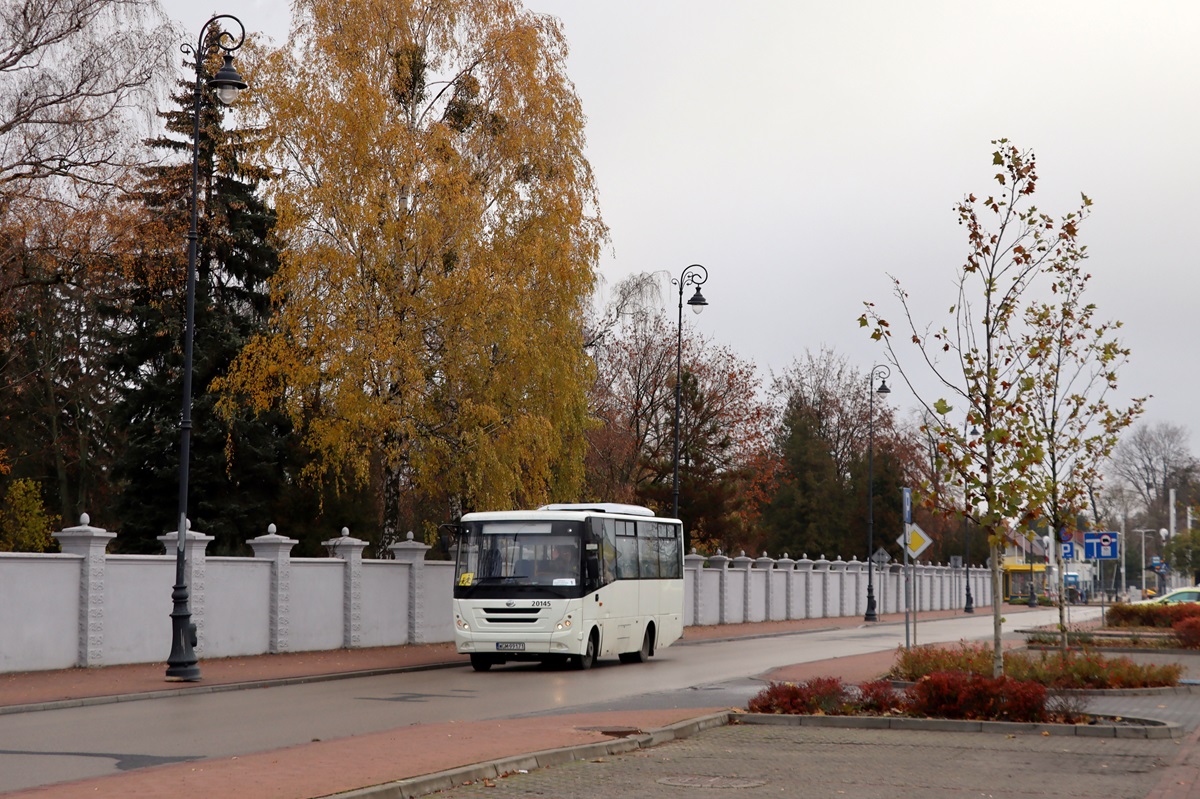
x=462, y=625
x=565, y=624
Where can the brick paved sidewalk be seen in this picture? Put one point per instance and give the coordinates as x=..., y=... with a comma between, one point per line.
x=24, y=688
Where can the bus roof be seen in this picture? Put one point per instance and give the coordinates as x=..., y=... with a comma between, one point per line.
x=600, y=507
x=573, y=511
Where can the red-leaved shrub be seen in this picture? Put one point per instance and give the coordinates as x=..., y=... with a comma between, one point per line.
x=1150, y=614
x=881, y=697
x=960, y=695
x=824, y=696
x=1188, y=630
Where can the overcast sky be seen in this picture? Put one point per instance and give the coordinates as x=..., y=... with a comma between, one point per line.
x=802, y=151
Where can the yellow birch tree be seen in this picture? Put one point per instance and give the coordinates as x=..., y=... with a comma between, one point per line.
x=439, y=232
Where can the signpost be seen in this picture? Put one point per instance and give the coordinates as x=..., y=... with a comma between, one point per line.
x=913, y=542
x=1100, y=545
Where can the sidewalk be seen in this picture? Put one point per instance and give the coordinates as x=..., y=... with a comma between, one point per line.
x=323, y=768
x=126, y=681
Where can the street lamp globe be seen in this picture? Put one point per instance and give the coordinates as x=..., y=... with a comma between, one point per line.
x=227, y=83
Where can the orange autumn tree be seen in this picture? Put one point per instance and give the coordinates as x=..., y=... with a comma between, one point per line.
x=439, y=234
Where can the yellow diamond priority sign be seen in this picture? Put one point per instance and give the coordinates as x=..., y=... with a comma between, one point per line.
x=915, y=540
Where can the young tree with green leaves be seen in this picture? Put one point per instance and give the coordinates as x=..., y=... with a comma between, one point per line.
x=25, y=526
x=982, y=359
x=1073, y=359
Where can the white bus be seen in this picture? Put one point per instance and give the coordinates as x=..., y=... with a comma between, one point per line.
x=570, y=581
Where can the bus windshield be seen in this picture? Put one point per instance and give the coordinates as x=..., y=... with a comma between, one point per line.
x=534, y=556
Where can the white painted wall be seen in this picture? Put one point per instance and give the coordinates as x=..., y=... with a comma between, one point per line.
x=88, y=608
x=39, y=611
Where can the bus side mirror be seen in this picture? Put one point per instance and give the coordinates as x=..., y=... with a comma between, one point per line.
x=449, y=533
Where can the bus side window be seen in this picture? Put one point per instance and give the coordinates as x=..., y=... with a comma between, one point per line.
x=627, y=551
x=670, y=561
x=608, y=551
x=648, y=545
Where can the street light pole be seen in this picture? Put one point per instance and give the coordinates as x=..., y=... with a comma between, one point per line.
x=181, y=663
x=692, y=275
x=1142, y=579
x=883, y=373
x=1033, y=600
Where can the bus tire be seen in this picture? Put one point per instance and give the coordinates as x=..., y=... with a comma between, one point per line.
x=643, y=654
x=481, y=662
x=584, y=662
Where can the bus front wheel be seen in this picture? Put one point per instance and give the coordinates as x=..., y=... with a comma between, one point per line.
x=481, y=662
x=584, y=662
x=643, y=654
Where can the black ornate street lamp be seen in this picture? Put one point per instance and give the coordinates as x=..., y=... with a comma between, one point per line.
x=181, y=664
x=883, y=373
x=693, y=275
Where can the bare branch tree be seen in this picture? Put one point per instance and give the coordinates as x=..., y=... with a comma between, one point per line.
x=72, y=72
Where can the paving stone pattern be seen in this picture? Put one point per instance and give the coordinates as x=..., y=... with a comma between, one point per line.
x=865, y=764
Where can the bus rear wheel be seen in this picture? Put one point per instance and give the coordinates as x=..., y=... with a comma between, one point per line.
x=481, y=662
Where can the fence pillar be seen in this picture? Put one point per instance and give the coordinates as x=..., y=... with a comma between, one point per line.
x=89, y=543
x=821, y=575
x=804, y=568
x=856, y=574
x=278, y=550
x=721, y=564
x=194, y=569
x=349, y=550
x=788, y=567
x=413, y=553
x=744, y=564
x=692, y=565
x=840, y=568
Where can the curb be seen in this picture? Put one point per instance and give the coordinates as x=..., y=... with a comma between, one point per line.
x=696, y=641
x=495, y=769
x=217, y=688
x=1141, y=728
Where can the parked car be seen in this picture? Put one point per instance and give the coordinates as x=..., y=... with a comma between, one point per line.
x=1178, y=595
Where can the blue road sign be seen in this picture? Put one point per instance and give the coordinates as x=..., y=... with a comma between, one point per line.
x=1100, y=546
x=1068, y=551
x=907, y=492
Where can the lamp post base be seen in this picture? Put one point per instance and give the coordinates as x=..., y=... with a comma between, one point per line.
x=182, y=662
x=870, y=615
x=969, y=607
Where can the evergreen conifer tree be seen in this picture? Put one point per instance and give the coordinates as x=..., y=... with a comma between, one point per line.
x=238, y=471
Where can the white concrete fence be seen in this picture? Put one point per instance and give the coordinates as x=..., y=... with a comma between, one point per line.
x=85, y=607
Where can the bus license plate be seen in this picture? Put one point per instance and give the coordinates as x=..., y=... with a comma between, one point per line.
x=510, y=646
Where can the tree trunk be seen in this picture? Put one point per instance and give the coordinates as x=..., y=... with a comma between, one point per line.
x=997, y=611
x=392, y=486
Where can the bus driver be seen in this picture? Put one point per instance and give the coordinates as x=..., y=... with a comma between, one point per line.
x=564, y=563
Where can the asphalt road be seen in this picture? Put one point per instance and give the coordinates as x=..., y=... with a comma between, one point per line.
x=93, y=741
